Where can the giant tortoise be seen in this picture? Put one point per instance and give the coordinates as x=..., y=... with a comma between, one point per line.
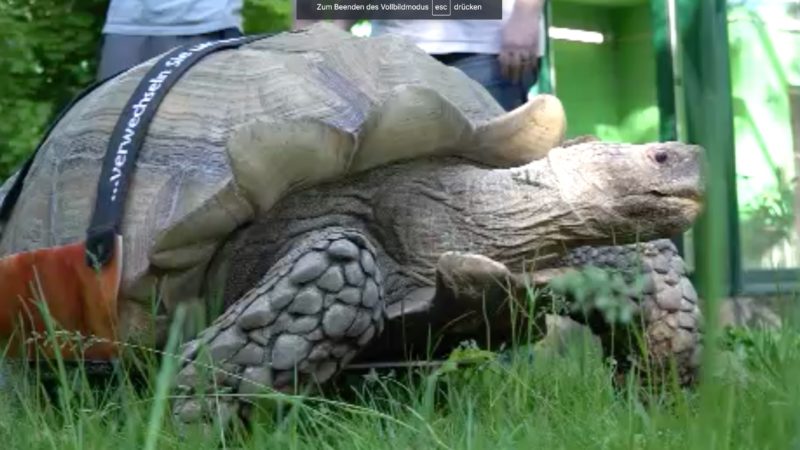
x=316, y=199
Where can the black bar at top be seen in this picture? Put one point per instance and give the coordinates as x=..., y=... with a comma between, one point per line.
x=399, y=9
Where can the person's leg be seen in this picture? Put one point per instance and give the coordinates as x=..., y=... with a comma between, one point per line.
x=485, y=69
x=120, y=52
x=157, y=45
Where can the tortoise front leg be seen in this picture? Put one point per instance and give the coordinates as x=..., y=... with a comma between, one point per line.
x=474, y=298
x=475, y=292
x=668, y=318
x=309, y=316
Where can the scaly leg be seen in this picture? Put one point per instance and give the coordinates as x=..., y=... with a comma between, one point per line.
x=668, y=313
x=309, y=315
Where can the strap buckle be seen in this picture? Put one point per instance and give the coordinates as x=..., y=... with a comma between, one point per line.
x=100, y=244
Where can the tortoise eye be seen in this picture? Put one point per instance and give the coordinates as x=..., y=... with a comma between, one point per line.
x=661, y=157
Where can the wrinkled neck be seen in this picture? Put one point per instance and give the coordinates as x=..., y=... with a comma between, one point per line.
x=521, y=215
x=532, y=214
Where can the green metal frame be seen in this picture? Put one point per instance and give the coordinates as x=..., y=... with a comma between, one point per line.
x=665, y=79
x=694, y=95
x=665, y=82
x=769, y=281
x=546, y=80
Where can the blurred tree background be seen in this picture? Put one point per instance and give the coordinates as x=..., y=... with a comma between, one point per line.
x=48, y=53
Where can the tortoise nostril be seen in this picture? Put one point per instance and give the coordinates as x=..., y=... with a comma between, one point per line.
x=661, y=157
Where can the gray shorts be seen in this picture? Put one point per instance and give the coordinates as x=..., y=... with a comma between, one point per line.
x=122, y=51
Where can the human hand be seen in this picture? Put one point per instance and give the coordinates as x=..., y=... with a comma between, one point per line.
x=520, y=42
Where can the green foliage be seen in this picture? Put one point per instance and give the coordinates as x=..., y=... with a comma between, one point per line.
x=553, y=401
x=769, y=219
x=49, y=52
x=593, y=288
x=266, y=16
x=762, y=348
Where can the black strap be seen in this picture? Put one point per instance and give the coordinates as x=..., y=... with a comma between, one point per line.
x=128, y=136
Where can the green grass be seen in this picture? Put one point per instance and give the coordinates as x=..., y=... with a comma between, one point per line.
x=556, y=400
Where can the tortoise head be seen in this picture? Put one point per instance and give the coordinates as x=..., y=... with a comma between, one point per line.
x=628, y=191
x=587, y=193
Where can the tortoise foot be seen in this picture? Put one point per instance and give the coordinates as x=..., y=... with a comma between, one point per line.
x=306, y=319
x=668, y=315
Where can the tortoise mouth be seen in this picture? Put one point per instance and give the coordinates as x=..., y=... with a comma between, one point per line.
x=688, y=195
x=665, y=210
